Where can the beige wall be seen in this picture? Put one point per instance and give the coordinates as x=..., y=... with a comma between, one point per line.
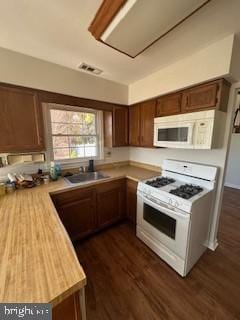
x=212, y=62
x=19, y=69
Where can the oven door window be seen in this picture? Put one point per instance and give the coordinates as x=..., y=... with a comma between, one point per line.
x=160, y=221
x=173, y=134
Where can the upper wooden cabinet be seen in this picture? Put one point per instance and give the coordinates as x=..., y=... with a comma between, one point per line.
x=21, y=127
x=148, y=110
x=134, y=125
x=141, y=121
x=168, y=105
x=200, y=98
x=207, y=96
x=116, y=127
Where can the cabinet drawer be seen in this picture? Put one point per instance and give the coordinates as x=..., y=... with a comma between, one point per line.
x=72, y=195
x=169, y=105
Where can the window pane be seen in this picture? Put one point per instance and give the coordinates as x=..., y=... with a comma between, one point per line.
x=76, y=141
x=73, y=134
x=75, y=129
x=89, y=124
x=90, y=152
x=58, y=115
x=89, y=118
x=91, y=141
x=75, y=117
x=59, y=128
x=60, y=142
x=77, y=152
x=61, y=154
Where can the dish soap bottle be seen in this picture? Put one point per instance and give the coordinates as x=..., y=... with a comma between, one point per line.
x=53, y=171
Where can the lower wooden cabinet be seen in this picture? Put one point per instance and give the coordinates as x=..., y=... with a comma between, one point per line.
x=84, y=211
x=131, y=200
x=68, y=309
x=110, y=203
x=77, y=210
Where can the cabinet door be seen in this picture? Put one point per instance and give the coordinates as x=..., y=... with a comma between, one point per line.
x=147, y=123
x=169, y=105
x=21, y=127
x=78, y=214
x=110, y=202
x=200, y=98
x=68, y=309
x=120, y=126
x=134, y=125
x=131, y=200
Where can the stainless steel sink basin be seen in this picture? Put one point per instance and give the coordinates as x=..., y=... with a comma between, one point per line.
x=85, y=177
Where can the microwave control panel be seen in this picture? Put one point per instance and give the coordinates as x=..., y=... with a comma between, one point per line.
x=203, y=133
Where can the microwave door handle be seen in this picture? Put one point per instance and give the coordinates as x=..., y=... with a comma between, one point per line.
x=165, y=208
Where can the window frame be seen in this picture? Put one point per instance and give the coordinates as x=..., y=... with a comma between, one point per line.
x=49, y=140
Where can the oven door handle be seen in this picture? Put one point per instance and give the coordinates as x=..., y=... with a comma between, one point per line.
x=164, y=207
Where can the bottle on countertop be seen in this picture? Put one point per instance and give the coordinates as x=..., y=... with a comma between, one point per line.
x=53, y=171
x=58, y=170
x=91, y=166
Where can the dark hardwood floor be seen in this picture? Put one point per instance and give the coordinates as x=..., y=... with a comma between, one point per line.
x=128, y=281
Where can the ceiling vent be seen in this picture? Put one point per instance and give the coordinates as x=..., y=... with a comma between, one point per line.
x=86, y=67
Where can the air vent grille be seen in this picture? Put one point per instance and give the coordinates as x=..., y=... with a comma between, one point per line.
x=86, y=67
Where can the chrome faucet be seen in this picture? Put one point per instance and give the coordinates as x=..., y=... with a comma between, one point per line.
x=83, y=169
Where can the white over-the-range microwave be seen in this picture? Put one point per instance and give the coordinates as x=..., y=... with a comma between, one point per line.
x=197, y=130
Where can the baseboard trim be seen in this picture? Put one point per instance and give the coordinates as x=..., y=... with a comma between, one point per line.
x=213, y=245
x=230, y=185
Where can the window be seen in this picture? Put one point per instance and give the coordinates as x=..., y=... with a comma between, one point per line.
x=74, y=133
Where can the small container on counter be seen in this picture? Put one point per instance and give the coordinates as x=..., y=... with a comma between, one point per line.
x=46, y=179
x=2, y=188
x=10, y=187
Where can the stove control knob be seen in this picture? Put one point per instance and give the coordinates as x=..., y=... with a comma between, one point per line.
x=176, y=204
x=170, y=201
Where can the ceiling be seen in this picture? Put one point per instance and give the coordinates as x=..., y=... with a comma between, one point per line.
x=56, y=31
x=153, y=17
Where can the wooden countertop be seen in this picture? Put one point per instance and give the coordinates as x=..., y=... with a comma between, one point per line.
x=37, y=259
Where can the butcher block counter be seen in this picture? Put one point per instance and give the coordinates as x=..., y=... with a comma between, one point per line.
x=38, y=261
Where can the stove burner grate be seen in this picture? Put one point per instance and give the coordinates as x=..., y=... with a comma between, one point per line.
x=186, y=191
x=160, y=182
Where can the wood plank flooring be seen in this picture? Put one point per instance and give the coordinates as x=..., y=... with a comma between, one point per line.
x=127, y=281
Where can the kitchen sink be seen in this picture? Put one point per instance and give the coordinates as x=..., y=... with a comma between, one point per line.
x=85, y=177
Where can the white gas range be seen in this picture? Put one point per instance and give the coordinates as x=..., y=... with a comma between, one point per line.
x=174, y=212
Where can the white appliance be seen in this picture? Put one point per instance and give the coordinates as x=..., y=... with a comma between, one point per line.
x=197, y=130
x=174, y=212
